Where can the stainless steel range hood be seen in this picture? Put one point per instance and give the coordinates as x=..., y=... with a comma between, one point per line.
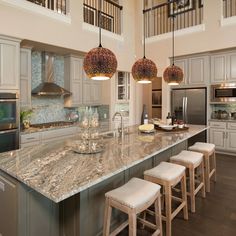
x=48, y=87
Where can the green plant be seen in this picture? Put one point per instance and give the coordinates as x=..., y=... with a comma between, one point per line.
x=25, y=115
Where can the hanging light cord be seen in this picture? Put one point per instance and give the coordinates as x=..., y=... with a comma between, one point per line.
x=99, y=22
x=144, y=31
x=173, y=39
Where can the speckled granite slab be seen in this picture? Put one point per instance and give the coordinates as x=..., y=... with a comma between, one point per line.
x=58, y=173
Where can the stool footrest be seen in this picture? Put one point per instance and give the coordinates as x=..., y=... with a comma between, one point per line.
x=119, y=228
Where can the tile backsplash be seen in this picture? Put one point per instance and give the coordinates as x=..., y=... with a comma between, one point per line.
x=51, y=109
x=224, y=107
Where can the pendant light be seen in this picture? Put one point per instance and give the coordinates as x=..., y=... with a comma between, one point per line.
x=144, y=70
x=100, y=63
x=173, y=74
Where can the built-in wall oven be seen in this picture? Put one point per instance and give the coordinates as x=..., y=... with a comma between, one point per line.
x=223, y=93
x=9, y=121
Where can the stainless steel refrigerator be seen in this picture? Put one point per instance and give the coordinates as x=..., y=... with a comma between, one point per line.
x=190, y=105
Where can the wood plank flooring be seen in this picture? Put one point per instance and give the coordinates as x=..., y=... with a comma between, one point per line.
x=215, y=215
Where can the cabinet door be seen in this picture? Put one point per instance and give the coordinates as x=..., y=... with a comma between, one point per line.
x=25, y=77
x=218, y=68
x=231, y=67
x=76, y=81
x=8, y=206
x=198, y=70
x=183, y=64
x=96, y=92
x=217, y=137
x=231, y=140
x=87, y=92
x=9, y=65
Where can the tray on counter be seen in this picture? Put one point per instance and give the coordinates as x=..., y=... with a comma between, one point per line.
x=175, y=129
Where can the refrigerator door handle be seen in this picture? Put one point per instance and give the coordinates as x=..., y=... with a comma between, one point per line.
x=186, y=108
x=183, y=109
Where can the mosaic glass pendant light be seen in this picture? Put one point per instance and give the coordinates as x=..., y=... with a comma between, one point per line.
x=144, y=70
x=173, y=74
x=100, y=63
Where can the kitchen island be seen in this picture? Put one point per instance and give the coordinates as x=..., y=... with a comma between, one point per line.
x=54, y=191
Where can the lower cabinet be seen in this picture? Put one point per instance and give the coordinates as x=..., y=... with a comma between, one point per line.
x=223, y=135
x=29, y=140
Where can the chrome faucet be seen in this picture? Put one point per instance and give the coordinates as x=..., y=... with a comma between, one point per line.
x=121, y=128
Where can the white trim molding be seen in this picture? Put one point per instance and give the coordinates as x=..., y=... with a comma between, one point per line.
x=228, y=21
x=189, y=30
x=106, y=33
x=26, y=5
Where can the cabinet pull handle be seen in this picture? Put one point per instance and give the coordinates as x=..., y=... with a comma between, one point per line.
x=30, y=138
x=226, y=135
x=2, y=186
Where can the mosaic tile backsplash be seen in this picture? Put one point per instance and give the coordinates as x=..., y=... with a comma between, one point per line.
x=51, y=109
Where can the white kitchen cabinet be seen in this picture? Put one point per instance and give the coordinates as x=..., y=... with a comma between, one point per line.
x=223, y=135
x=25, y=77
x=217, y=137
x=73, y=81
x=223, y=67
x=195, y=69
x=122, y=86
x=231, y=140
x=84, y=91
x=9, y=64
x=91, y=91
x=37, y=138
x=183, y=64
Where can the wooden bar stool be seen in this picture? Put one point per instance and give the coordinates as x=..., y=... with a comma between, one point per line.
x=168, y=175
x=133, y=198
x=192, y=161
x=208, y=151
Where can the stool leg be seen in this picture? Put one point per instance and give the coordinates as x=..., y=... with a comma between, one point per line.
x=207, y=172
x=214, y=165
x=203, y=180
x=184, y=196
x=192, y=188
x=158, y=214
x=168, y=195
x=132, y=224
x=107, y=218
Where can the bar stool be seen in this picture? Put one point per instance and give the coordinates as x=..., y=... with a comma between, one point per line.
x=133, y=198
x=208, y=151
x=169, y=175
x=192, y=161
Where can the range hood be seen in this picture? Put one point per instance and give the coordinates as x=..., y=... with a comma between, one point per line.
x=48, y=87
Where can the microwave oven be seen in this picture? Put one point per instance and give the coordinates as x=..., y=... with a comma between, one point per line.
x=221, y=93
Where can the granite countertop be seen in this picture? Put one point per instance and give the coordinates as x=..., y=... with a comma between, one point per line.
x=223, y=120
x=57, y=172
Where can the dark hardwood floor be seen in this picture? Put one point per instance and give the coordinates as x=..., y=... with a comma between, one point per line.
x=216, y=214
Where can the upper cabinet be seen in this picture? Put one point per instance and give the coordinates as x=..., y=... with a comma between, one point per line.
x=223, y=67
x=122, y=86
x=84, y=91
x=25, y=77
x=73, y=80
x=195, y=69
x=9, y=64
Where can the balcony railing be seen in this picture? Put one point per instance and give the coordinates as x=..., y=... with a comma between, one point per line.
x=58, y=6
x=229, y=8
x=110, y=13
x=159, y=18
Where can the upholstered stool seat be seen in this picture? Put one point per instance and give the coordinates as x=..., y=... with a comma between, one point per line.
x=168, y=175
x=133, y=198
x=208, y=151
x=166, y=171
x=192, y=161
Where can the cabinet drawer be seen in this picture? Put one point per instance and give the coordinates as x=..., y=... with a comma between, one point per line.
x=231, y=125
x=58, y=133
x=27, y=138
x=218, y=125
